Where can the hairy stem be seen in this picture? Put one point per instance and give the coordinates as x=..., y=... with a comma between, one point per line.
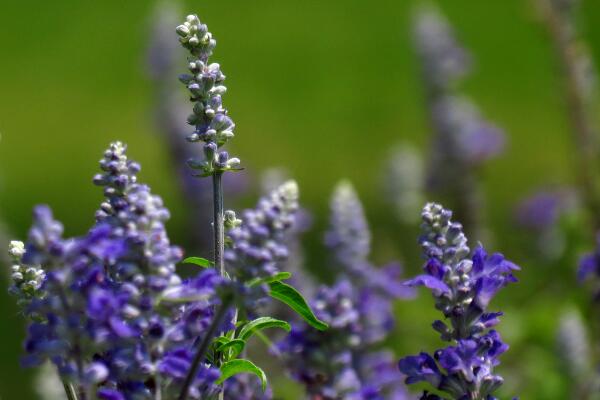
x=69, y=390
x=203, y=348
x=218, y=222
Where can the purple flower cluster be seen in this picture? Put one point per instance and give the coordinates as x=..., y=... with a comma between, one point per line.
x=542, y=214
x=463, y=139
x=259, y=242
x=112, y=314
x=463, y=285
x=343, y=362
x=205, y=84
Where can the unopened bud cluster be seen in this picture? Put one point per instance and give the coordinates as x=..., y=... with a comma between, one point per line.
x=205, y=84
x=26, y=280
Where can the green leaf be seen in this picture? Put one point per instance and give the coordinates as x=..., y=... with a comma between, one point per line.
x=236, y=345
x=201, y=262
x=280, y=276
x=260, y=324
x=241, y=366
x=218, y=341
x=290, y=296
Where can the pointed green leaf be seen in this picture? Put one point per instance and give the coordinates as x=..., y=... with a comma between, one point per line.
x=260, y=324
x=201, y=262
x=280, y=276
x=289, y=295
x=236, y=345
x=241, y=366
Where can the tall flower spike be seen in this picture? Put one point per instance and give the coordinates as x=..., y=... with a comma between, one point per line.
x=404, y=182
x=259, y=242
x=345, y=361
x=349, y=236
x=301, y=278
x=169, y=111
x=463, y=140
x=205, y=83
x=573, y=348
x=463, y=285
x=115, y=318
x=349, y=239
x=541, y=213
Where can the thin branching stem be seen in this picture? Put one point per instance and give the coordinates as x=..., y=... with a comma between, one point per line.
x=203, y=348
x=69, y=390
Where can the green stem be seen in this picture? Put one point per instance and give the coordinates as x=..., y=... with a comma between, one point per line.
x=203, y=348
x=584, y=131
x=219, y=230
x=218, y=222
x=69, y=390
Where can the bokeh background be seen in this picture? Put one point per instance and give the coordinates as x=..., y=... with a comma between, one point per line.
x=322, y=88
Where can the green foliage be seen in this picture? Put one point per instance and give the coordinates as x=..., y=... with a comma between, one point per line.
x=232, y=347
x=259, y=324
x=199, y=261
x=241, y=366
x=280, y=276
x=290, y=296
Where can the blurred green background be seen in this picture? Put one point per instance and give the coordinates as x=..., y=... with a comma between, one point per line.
x=324, y=88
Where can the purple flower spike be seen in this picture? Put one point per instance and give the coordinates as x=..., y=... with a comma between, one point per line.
x=111, y=312
x=462, y=287
x=346, y=360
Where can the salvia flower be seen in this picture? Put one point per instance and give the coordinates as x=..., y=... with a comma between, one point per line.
x=463, y=139
x=344, y=361
x=573, y=346
x=322, y=361
x=404, y=182
x=212, y=124
x=270, y=180
x=349, y=239
x=259, y=241
x=463, y=284
x=541, y=214
x=115, y=318
x=169, y=111
x=349, y=236
x=444, y=60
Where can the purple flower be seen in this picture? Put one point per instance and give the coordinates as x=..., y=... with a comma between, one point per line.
x=343, y=362
x=541, y=210
x=462, y=288
x=463, y=140
x=110, y=394
x=113, y=309
x=420, y=368
x=322, y=361
x=589, y=264
x=259, y=242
